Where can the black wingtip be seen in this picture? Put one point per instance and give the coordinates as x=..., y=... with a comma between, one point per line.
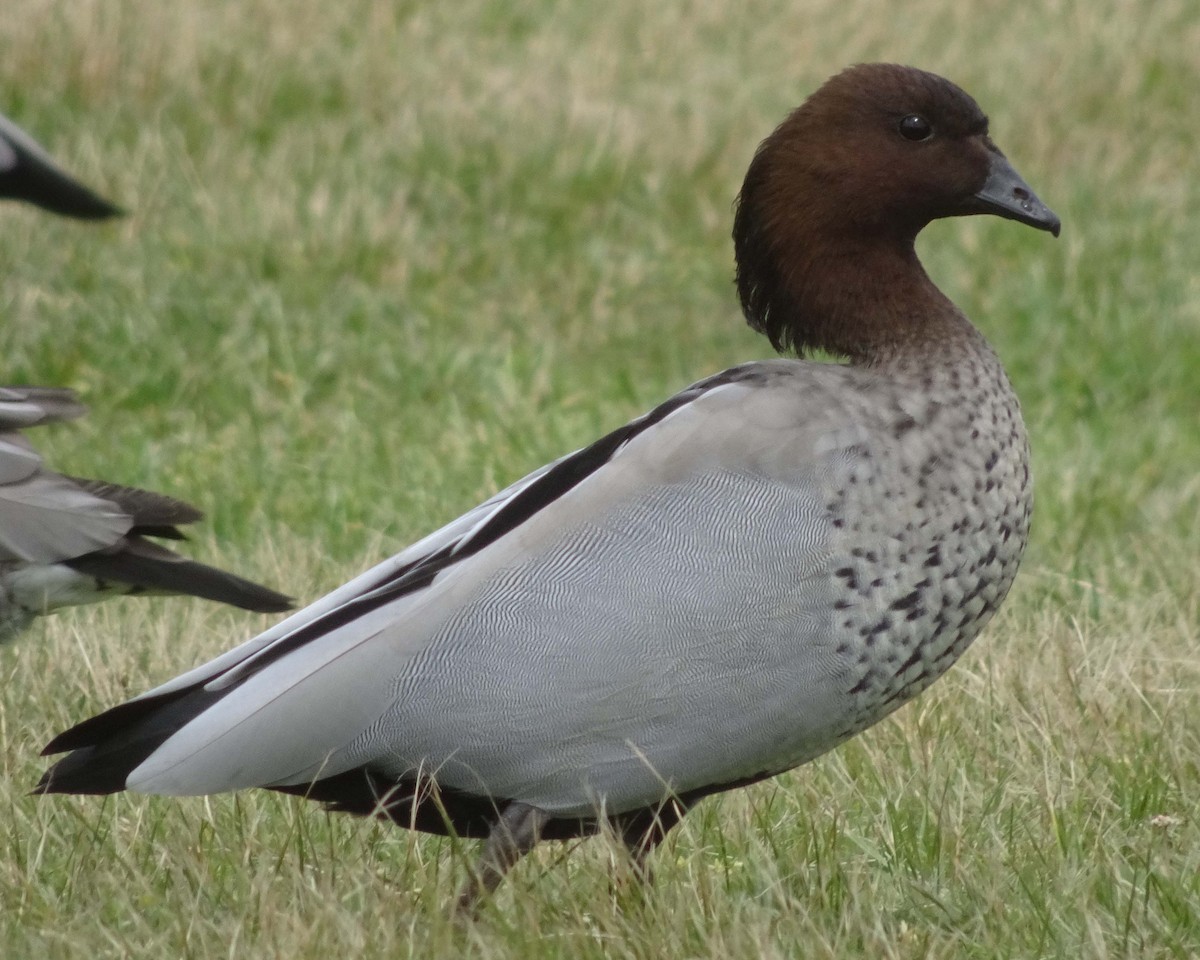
x=97, y=209
x=213, y=584
x=84, y=772
x=265, y=600
x=28, y=173
x=102, y=751
x=52, y=190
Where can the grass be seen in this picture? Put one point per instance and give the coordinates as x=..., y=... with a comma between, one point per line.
x=384, y=257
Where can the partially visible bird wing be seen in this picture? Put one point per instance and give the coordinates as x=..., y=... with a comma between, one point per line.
x=154, y=514
x=157, y=570
x=45, y=517
x=22, y=407
x=97, y=528
x=27, y=173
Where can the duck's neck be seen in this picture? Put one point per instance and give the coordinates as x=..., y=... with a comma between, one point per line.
x=883, y=310
x=871, y=302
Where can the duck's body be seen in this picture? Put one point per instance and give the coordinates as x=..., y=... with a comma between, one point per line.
x=28, y=173
x=761, y=567
x=67, y=541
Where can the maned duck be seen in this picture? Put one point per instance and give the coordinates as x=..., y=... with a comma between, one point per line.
x=66, y=541
x=27, y=173
x=727, y=587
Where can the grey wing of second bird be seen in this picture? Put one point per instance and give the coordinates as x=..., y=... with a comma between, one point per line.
x=66, y=540
x=44, y=516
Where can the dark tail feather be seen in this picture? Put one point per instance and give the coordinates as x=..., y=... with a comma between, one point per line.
x=108, y=747
x=151, y=567
x=90, y=771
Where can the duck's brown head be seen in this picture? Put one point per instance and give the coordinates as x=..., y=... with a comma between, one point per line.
x=835, y=197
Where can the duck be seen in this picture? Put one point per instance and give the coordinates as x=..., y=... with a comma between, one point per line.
x=66, y=541
x=27, y=173
x=727, y=587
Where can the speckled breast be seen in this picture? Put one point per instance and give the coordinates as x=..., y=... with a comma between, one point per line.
x=932, y=523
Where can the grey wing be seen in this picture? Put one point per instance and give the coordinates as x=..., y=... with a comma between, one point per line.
x=45, y=517
x=94, y=528
x=675, y=637
x=231, y=666
x=22, y=407
x=551, y=664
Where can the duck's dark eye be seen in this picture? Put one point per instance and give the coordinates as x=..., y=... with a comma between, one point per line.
x=915, y=127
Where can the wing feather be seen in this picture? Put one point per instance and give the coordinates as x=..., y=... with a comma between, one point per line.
x=448, y=544
x=347, y=681
x=45, y=518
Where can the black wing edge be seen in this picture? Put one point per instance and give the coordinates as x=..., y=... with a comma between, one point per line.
x=108, y=747
x=154, y=514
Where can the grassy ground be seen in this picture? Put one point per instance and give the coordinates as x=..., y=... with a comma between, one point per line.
x=384, y=257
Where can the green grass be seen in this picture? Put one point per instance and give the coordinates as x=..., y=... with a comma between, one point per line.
x=384, y=257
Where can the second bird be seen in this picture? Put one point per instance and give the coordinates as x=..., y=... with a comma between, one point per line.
x=67, y=541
